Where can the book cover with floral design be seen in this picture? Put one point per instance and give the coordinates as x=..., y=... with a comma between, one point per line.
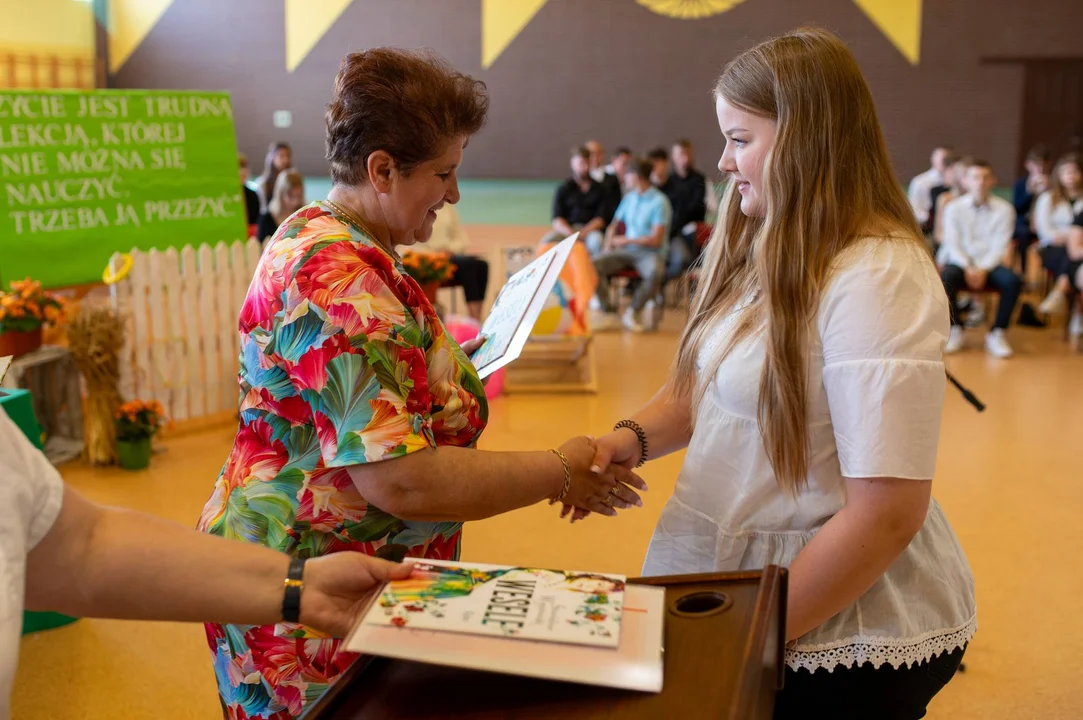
x=513, y=602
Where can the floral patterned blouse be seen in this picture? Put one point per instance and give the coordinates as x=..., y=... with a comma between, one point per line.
x=343, y=361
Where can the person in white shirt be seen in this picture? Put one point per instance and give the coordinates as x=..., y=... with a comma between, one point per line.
x=808, y=390
x=921, y=187
x=1054, y=212
x=63, y=553
x=977, y=235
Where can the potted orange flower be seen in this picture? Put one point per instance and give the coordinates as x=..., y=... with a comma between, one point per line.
x=24, y=309
x=430, y=269
x=137, y=422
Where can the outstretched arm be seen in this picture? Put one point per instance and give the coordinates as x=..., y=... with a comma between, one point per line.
x=108, y=562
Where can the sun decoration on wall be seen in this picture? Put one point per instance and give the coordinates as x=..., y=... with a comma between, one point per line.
x=688, y=9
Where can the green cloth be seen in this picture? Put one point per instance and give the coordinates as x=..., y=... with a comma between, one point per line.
x=21, y=411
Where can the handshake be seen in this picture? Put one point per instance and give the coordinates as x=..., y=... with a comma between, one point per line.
x=602, y=480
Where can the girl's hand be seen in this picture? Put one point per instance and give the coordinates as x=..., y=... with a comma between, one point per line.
x=601, y=492
x=619, y=448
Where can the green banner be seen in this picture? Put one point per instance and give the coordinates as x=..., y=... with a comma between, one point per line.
x=85, y=174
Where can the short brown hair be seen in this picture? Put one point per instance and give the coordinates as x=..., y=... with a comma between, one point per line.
x=1038, y=153
x=642, y=168
x=658, y=154
x=403, y=102
x=581, y=151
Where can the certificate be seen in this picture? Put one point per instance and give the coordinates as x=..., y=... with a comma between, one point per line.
x=517, y=307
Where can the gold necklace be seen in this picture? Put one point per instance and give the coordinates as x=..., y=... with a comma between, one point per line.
x=357, y=221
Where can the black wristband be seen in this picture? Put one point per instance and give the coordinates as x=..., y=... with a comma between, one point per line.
x=642, y=436
x=294, y=585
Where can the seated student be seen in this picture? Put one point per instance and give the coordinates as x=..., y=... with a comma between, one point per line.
x=688, y=196
x=635, y=241
x=471, y=272
x=1054, y=213
x=279, y=159
x=579, y=205
x=610, y=177
x=972, y=314
x=946, y=188
x=921, y=187
x=251, y=197
x=287, y=198
x=1024, y=194
x=977, y=238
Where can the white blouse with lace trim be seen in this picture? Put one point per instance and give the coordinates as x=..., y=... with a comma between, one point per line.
x=876, y=391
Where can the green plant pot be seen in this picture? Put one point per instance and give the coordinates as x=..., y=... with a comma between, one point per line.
x=133, y=454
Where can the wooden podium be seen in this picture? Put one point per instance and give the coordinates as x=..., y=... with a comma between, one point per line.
x=724, y=644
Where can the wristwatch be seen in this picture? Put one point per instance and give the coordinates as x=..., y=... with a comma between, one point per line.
x=294, y=586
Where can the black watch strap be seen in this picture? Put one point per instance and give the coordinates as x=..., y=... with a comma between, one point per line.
x=294, y=585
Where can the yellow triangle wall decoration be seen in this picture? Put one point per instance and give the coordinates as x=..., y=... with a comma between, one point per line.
x=501, y=22
x=306, y=22
x=129, y=22
x=900, y=21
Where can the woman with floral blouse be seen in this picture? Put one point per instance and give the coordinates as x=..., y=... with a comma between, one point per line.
x=359, y=413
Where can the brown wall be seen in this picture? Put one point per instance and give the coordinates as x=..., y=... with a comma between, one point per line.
x=613, y=70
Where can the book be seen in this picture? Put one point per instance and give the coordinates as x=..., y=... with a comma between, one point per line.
x=517, y=307
x=530, y=603
x=582, y=627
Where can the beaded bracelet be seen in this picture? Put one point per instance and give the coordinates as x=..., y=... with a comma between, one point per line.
x=642, y=436
x=567, y=477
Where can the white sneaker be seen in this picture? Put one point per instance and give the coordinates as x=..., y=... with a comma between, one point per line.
x=997, y=345
x=632, y=321
x=1075, y=325
x=650, y=315
x=956, y=340
x=1054, y=304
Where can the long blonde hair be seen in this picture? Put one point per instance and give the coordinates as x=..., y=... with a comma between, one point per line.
x=827, y=182
x=278, y=206
x=1058, y=192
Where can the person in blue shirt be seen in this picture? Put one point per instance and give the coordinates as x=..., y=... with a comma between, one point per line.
x=635, y=240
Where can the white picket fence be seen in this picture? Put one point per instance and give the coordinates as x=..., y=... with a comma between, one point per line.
x=181, y=310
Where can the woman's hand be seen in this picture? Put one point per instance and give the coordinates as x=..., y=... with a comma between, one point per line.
x=339, y=585
x=603, y=491
x=472, y=346
x=619, y=448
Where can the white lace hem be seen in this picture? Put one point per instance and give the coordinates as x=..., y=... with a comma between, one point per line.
x=858, y=650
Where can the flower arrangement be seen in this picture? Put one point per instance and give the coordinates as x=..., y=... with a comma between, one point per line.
x=26, y=307
x=428, y=268
x=139, y=420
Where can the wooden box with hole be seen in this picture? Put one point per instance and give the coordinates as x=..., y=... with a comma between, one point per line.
x=724, y=646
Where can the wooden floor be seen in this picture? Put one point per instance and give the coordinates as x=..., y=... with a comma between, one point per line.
x=1009, y=481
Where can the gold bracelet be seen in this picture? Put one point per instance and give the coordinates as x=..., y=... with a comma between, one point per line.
x=567, y=477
